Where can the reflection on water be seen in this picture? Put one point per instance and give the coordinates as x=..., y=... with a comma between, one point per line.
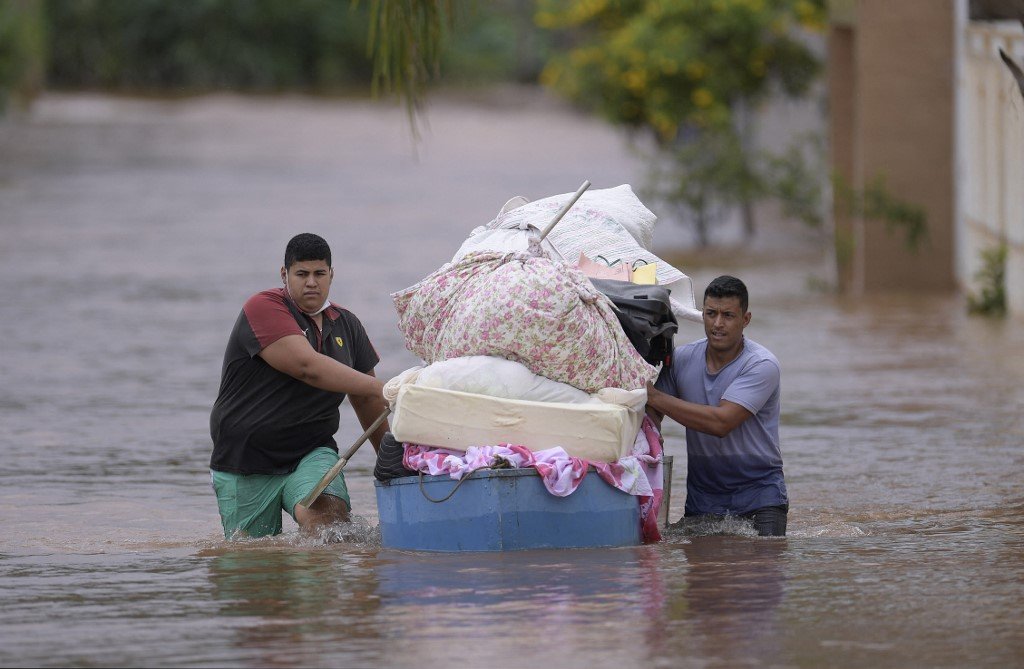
x=731, y=596
x=284, y=597
x=484, y=610
x=130, y=234
x=719, y=602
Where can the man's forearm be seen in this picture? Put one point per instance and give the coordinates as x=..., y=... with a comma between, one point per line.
x=332, y=375
x=368, y=409
x=292, y=355
x=699, y=417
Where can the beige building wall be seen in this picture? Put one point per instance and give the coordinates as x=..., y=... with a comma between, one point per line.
x=842, y=89
x=893, y=114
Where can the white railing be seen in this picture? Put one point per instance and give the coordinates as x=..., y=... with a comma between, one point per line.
x=992, y=155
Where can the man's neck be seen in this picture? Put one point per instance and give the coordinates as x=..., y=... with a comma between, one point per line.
x=317, y=317
x=716, y=360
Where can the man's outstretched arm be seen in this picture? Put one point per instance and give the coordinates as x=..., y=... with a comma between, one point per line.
x=292, y=355
x=717, y=421
x=368, y=408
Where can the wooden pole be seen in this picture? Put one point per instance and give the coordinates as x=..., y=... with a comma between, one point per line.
x=333, y=472
x=565, y=208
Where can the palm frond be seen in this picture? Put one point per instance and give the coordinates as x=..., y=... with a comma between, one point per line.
x=1018, y=73
x=405, y=43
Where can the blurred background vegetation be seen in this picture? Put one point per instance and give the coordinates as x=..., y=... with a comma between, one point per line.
x=692, y=74
x=688, y=75
x=23, y=51
x=195, y=46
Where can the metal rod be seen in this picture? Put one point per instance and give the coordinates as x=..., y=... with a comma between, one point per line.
x=565, y=208
x=333, y=472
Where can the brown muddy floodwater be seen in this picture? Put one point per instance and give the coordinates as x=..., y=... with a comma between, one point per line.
x=130, y=234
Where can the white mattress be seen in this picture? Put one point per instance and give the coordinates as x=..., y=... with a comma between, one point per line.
x=457, y=420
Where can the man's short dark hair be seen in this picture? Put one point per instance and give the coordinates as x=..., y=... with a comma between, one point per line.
x=728, y=286
x=306, y=246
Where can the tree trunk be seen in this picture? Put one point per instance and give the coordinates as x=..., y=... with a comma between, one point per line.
x=744, y=119
x=749, y=222
x=700, y=222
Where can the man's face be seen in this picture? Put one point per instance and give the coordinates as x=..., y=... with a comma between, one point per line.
x=724, y=321
x=308, y=282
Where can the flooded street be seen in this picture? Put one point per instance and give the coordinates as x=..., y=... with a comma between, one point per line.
x=131, y=232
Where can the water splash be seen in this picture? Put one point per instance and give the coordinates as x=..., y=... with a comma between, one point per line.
x=710, y=526
x=356, y=532
x=838, y=530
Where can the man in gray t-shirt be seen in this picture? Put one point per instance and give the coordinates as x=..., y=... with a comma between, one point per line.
x=724, y=390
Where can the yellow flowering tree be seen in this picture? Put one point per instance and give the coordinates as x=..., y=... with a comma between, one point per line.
x=689, y=72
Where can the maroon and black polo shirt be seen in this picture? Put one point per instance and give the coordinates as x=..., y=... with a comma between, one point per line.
x=265, y=421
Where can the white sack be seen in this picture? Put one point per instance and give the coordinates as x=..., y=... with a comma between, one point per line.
x=498, y=377
x=611, y=222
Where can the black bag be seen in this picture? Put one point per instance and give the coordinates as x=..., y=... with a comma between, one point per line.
x=645, y=314
x=389, y=460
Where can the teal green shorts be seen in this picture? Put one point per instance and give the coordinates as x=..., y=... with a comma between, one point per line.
x=251, y=504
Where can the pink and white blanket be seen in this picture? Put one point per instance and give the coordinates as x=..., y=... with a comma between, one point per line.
x=640, y=473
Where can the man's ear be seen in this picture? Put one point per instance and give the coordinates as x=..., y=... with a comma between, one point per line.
x=284, y=275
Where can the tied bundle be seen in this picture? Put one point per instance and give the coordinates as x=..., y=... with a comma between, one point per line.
x=522, y=307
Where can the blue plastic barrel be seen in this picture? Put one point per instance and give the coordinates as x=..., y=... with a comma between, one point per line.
x=504, y=510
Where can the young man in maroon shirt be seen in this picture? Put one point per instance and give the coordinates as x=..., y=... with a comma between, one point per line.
x=291, y=359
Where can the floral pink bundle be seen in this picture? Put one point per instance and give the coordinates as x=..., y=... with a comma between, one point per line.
x=526, y=308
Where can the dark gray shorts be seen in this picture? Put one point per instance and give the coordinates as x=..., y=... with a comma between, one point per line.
x=768, y=521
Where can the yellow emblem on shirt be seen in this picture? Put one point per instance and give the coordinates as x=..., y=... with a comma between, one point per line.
x=339, y=342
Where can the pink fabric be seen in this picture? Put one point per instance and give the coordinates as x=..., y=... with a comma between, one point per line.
x=560, y=472
x=640, y=473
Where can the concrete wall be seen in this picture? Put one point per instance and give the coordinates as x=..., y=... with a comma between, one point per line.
x=893, y=114
x=992, y=146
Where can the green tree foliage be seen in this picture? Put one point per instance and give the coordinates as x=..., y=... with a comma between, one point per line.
x=877, y=203
x=664, y=65
x=701, y=177
x=397, y=47
x=323, y=46
x=22, y=51
x=689, y=73
x=795, y=179
x=414, y=40
x=406, y=37
x=991, y=279
x=207, y=44
x=494, y=41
